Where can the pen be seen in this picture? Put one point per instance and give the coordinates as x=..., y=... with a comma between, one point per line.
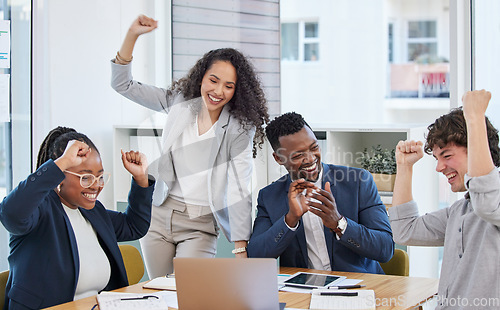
x=343, y=287
x=349, y=294
x=301, y=286
x=140, y=298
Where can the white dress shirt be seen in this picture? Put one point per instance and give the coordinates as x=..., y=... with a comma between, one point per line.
x=317, y=251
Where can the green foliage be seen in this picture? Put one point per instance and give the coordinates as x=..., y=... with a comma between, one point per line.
x=379, y=161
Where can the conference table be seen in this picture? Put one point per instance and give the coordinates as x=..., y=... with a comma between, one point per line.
x=391, y=292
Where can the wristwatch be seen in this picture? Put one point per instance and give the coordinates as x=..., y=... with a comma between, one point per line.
x=239, y=250
x=341, y=226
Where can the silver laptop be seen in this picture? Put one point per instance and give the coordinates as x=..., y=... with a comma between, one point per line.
x=227, y=283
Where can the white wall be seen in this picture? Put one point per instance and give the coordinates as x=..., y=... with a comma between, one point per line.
x=76, y=40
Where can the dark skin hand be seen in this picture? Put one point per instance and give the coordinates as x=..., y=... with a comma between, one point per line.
x=297, y=202
x=326, y=208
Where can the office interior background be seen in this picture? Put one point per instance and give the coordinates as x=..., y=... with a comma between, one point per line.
x=360, y=71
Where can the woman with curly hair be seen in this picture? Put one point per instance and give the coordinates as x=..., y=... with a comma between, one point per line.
x=214, y=125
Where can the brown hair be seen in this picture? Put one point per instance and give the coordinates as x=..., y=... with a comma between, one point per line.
x=452, y=128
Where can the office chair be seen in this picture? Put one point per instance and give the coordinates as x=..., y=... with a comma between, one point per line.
x=4, y=276
x=134, y=264
x=399, y=265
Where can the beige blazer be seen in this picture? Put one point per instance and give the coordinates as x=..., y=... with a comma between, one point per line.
x=229, y=179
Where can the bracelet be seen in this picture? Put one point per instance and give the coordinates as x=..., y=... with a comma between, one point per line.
x=122, y=60
x=239, y=250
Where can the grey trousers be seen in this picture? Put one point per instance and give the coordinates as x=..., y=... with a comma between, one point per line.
x=178, y=230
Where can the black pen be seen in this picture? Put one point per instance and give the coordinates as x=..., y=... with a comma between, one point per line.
x=301, y=286
x=349, y=294
x=343, y=287
x=145, y=297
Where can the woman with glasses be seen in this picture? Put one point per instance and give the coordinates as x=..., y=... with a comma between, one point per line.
x=63, y=241
x=215, y=123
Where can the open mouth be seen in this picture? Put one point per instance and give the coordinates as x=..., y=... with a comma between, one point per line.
x=451, y=176
x=90, y=196
x=312, y=168
x=215, y=100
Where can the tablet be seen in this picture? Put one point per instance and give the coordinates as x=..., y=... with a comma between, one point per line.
x=312, y=280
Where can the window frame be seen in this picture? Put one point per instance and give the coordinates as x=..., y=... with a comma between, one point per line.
x=303, y=40
x=419, y=40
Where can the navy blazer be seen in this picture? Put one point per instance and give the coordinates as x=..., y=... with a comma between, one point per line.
x=43, y=259
x=367, y=239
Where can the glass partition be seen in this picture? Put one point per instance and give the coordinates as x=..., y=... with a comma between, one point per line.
x=486, y=44
x=15, y=103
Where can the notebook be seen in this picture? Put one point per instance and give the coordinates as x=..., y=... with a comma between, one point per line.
x=342, y=299
x=227, y=283
x=130, y=301
x=161, y=283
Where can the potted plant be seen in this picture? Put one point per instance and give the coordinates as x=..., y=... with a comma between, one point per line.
x=381, y=163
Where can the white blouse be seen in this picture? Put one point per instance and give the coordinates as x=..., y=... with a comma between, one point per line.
x=190, y=159
x=95, y=269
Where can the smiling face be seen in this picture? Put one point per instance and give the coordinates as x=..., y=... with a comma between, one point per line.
x=452, y=162
x=300, y=154
x=218, y=86
x=72, y=194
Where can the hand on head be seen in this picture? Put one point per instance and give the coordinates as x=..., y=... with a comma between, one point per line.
x=76, y=152
x=142, y=25
x=137, y=164
x=409, y=152
x=475, y=104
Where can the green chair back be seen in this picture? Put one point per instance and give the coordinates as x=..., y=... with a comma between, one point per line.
x=399, y=265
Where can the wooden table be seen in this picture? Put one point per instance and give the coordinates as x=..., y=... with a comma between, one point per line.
x=391, y=292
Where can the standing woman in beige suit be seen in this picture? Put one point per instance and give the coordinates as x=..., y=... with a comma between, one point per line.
x=216, y=115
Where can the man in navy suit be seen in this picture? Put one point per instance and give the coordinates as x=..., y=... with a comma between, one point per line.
x=318, y=216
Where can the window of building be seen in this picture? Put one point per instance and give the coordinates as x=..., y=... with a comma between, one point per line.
x=422, y=41
x=300, y=41
x=290, y=41
x=390, y=42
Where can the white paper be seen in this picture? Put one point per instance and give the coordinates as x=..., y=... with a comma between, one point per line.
x=348, y=282
x=4, y=98
x=113, y=301
x=4, y=43
x=364, y=301
x=161, y=283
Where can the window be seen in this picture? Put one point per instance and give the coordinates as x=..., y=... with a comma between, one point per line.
x=300, y=41
x=366, y=73
x=423, y=71
x=290, y=41
x=15, y=128
x=390, y=39
x=422, y=41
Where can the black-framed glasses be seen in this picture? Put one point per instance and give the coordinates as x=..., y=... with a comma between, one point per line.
x=87, y=179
